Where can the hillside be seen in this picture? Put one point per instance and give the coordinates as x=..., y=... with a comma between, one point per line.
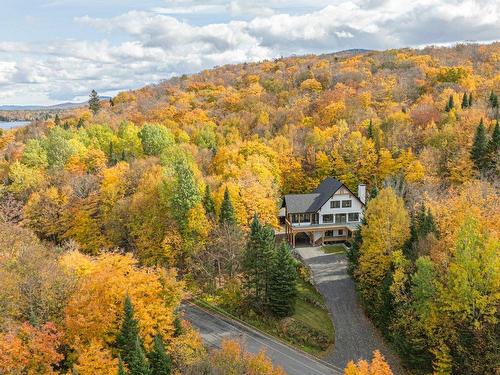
x=148, y=172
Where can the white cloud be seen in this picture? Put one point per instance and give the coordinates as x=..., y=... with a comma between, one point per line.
x=141, y=46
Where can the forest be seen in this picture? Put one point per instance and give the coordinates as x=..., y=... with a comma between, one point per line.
x=110, y=215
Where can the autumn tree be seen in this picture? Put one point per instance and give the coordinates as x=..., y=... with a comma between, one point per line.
x=386, y=230
x=378, y=366
x=155, y=139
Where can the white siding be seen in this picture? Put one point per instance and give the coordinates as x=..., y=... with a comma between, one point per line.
x=340, y=195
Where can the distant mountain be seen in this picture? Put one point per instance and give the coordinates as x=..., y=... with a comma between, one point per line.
x=60, y=106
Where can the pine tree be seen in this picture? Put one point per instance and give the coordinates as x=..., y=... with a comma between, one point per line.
x=465, y=101
x=57, y=120
x=111, y=154
x=470, y=100
x=121, y=367
x=159, y=360
x=493, y=100
x=369, y=130
x=186, y=194
x=282, y=286
x=257, y=262
x=80, y=123
x=94, y=102
x=138, y=363
x=227, y=210
x=208, y=202
x=450, y=105
x=480, y=148
x=494, y=148
x=129, y=332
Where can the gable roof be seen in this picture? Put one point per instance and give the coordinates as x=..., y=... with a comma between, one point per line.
x=303, y=203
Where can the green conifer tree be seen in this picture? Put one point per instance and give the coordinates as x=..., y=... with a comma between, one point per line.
x=129, y=332
x=495, y=138
x=227, y=210
x=470, y=100
x=450, y=105
x=282, y=286
x=121, y=367
x=369, y=130
x=186, y=194
x=465, y=101
x=159, y=360
x=208, y=202
x=257, y=262
x=94, y=102
x=493, y=100
x=479, y=149
x=57, y=120
x=138, y=363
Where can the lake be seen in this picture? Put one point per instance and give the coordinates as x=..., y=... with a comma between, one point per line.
x=13, y=124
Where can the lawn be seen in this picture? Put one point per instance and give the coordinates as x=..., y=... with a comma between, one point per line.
x=333, y=249
x=310, y=328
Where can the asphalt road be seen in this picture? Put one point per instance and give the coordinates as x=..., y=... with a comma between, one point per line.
x=355, y=335
x=214, y=328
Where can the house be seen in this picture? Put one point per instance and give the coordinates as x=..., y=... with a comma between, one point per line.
x=329, y=214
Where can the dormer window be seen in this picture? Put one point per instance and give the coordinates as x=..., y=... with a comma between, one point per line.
x=334, y=204
x=346, y=204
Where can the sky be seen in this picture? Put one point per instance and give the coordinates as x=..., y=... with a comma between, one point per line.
x=53, y=51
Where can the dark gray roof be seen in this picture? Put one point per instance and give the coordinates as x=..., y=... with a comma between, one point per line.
x=301, y=203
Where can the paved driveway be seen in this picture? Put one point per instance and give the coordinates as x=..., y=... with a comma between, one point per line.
x=355, y=335
x=214, y=328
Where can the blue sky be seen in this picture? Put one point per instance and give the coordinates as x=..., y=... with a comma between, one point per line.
x=58, y=50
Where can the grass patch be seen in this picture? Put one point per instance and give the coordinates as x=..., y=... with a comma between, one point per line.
x=310, y=328
x=333, y=249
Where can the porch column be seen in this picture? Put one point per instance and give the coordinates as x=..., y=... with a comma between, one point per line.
x=293, y=240
x=323, y=238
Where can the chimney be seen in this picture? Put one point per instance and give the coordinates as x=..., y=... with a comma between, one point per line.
x=362, y=193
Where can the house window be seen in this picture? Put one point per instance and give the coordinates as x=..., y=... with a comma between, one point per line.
x=329, y=233
x=354, y=216
x=346, y=204
x=327, y=218
x=341, y=232
x=305, y=218
x=340, y=218
x=334, y=204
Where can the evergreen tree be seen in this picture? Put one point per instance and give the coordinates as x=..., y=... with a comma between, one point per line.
x=257, y=262
x=480, y=148
x=111, y=154
x=227, y=210
x=121, y=367
x=208, y=202
x=80, y=123
x=129, y=332
x=282, y=286
x=494, y=148
x=493, y=100
x=465, y=101
x=495, y=138
x=94, y=102
x=57, y=120
x=470, y=100
x=369, y=130
x=138, y=363
x=159, y=360
x=373, y=192
x=450, y=105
